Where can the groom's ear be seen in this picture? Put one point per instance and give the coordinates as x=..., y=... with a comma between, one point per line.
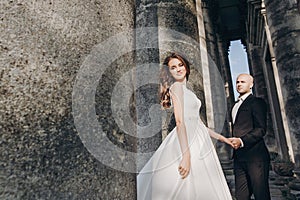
x=251, y=86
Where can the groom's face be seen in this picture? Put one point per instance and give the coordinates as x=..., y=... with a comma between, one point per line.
x=244, y=83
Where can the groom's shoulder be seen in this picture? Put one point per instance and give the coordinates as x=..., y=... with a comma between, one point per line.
x=258, y=101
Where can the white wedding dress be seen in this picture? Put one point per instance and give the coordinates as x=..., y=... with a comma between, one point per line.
x=159, y=179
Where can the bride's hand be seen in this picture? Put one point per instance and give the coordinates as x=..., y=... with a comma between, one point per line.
x=185, y=165
x=226, y=140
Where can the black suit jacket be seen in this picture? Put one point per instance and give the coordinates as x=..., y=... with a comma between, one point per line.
x=250, y=126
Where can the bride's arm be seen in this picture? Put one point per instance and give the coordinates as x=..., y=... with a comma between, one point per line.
x=219, y=137
x=178, y=102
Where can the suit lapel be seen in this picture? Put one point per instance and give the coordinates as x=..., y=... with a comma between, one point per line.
x=245, y=102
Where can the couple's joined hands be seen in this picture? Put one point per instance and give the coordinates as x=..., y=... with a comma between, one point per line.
x=236, y=142
x=233, y=142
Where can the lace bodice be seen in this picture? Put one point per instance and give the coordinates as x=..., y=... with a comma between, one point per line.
x=191, y=104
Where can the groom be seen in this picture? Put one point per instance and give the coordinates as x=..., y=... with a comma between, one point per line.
x=251, y=157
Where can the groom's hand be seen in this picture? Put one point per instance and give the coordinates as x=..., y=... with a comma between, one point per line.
x=236, y=142
x=227, y=141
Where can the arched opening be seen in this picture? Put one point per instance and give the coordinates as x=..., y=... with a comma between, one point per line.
x=238, y=62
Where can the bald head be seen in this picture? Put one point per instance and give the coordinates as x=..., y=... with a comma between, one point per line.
x=244, y=83
x=247, y=76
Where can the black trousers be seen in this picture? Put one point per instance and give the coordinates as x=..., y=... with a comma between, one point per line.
x=252, y=178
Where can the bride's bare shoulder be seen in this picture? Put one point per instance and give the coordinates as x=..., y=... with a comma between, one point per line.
x=176, y=86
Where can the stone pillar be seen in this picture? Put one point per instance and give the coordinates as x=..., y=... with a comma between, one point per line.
x=256, y=70
x=260, y=90
x=275, y=111
x=209, y=19
x=179, y=32
x=283, y=20
x=43, y=46
x=263, y=68
x=146, y=92
x=217, y=56
x=223, y=46
x=215, y=87
x=205, y=64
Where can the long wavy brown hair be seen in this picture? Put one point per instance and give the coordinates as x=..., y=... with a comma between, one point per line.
x=166, y=79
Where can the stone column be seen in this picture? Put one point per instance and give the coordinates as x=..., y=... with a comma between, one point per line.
x=146, y=80
x=256, y=70
x=223, y=46
x=217, y=57
x=260, y=90
x=205, y=64
x=274, y=105
x=179, y=32
x=283, y=21
x=43, y=47
x=214, y=72
x=259, y=49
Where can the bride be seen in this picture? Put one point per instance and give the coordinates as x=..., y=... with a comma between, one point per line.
x=185, y=166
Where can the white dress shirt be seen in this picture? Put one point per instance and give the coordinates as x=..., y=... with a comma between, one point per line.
x=237, y=105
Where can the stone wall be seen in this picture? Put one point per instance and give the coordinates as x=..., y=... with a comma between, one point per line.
x=284, y=23
x=43, y=45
